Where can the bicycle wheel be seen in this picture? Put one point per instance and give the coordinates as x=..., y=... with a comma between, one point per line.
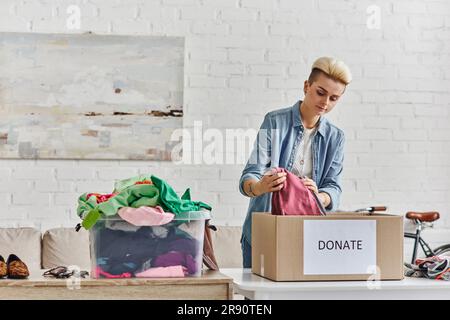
x=442, y=249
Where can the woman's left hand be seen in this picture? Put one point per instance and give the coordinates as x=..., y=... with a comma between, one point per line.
x=310, y=184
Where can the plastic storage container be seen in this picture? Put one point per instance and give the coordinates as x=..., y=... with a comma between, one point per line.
x=122, y=250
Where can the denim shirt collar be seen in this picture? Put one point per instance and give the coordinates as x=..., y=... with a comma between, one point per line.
x=298, y=123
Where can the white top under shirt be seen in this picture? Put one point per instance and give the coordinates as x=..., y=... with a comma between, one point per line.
x=303, y=159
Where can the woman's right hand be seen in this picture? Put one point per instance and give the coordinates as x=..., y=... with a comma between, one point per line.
x=270, y=182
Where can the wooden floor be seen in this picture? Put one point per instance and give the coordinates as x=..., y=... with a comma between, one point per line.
x=211, y=285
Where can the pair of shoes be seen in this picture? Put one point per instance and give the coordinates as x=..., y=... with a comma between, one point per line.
x=3, y=268
x=14, y=268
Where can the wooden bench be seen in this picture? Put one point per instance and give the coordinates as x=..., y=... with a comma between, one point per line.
x=211, y=285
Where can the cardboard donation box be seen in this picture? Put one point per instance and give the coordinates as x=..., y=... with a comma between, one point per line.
x=339, y=246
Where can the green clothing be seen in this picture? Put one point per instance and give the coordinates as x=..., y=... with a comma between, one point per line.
x=172, y=203
x=186, y=195
x=134, y=196
x=138, y=195
x=123, y=184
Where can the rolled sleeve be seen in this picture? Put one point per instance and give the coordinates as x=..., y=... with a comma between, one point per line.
x=332, y=182
x=260, y=156
x=246, y=177
x=335, y=195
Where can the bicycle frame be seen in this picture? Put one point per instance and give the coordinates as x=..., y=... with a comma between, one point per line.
x=419, y=240
x=416, y=236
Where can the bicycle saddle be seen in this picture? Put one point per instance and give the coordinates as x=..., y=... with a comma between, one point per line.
x=423, y=216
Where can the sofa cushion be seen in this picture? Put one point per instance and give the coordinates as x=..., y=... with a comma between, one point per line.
x=227, y=246
x=67, y=247
x=24, y=243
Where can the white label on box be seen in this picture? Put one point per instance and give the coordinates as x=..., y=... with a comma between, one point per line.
x=339, y=246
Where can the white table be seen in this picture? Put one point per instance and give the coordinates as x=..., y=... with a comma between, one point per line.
x=255, y=287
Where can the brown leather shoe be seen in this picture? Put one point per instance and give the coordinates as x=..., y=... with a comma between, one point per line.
x=17, y=269
x=3, y=269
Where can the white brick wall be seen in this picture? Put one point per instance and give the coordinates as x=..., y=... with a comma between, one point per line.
x=247, y=57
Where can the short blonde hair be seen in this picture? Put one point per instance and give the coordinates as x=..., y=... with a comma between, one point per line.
x=333, y=68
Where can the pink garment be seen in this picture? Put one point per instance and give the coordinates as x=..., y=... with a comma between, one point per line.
x=145, y=216
x=163, y=272
x=295, y=199
x=99, y=272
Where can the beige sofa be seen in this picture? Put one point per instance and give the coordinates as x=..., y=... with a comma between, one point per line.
x=65, y=246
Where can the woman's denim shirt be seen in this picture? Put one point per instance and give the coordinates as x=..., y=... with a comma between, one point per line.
x=276, y=146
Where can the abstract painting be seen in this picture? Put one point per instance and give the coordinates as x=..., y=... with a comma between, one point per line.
x=87, y=96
